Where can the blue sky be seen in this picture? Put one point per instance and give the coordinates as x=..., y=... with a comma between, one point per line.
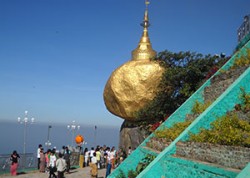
x=56, y=55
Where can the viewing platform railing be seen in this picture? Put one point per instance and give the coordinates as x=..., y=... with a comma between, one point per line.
x=27, y=161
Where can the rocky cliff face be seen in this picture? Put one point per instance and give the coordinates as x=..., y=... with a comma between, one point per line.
x=132, y=134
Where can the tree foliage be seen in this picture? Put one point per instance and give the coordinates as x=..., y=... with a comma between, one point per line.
x=185, y=72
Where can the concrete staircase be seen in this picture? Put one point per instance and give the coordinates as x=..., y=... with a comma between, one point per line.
x=222, y=90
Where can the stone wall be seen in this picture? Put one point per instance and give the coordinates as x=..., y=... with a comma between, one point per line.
x=221, y=82
x=227, y=156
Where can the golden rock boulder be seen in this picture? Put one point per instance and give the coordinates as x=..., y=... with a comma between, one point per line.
x=135, y=83
x=131, y=87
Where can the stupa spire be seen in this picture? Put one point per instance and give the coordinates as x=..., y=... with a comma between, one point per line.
x=144, y=49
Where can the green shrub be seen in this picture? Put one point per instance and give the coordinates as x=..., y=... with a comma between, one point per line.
x=245, y=105
x=144, y=163
x=141, y=166
x=172, y=133
x=132, y=174
x=226, y=130
x=242, y=60
x=199, y=107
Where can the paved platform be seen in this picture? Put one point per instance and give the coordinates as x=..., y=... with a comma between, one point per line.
x=74, y=173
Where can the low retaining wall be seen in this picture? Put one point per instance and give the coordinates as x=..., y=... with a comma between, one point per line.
x=227, y=156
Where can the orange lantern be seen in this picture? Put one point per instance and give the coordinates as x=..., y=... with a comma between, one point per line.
x=79, y=139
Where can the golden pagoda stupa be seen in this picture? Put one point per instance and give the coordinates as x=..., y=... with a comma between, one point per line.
x=135, y=83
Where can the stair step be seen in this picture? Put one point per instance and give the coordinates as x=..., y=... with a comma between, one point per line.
x=207, y=163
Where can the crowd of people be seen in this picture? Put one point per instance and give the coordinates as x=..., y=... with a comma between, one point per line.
x=103, y=157
x=52, y=161
x=49, y=161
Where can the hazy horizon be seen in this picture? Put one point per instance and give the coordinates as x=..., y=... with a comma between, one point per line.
x=12, y=136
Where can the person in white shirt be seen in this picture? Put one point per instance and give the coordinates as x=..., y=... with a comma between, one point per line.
x=93, y=165
x=61, y=166
x=86, y=157
x=38, y=155
x=112, y=157
x=91, y=153
x=52, y=164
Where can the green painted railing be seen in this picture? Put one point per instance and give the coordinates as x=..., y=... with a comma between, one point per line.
x=245, y=173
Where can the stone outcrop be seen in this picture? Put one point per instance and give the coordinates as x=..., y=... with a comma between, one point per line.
x=132, y=134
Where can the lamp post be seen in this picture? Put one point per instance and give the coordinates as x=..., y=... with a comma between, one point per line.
x=25, y=121
x=84, y=145
x=48, y=143
x=72, y=128
x=95, y=135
